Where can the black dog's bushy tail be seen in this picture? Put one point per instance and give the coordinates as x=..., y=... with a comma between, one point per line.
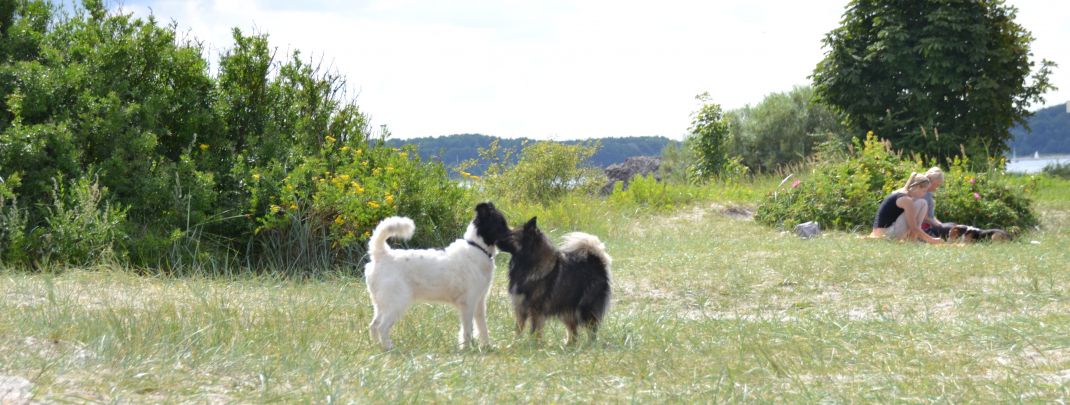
x=596, y=296
x=577, y=242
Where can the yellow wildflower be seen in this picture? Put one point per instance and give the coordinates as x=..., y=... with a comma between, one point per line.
x=344, y=177
x=389, y=199
x=376, y=172
x=275, y=209
x=293, y=206
x=344, y=148
x=373, y=204
x=338, y=220
x=256, y=177
x=367, y=234
x=359, y=152
x=329, y=139
x=404, y=155
x=204, y=147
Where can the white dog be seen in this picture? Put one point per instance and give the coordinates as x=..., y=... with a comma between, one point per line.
x=459, y=275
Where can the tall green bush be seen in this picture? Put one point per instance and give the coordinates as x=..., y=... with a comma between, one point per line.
x=204, y=166
x=322, y=212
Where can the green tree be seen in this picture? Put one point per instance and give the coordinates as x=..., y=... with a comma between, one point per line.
x=544, y=171
x=932, y=76
x=784, y=128
x=707, y=139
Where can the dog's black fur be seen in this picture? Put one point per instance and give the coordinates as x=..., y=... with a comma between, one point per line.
x=940, y=231
x=571, y=283
x=971, y=234
x=490, y=224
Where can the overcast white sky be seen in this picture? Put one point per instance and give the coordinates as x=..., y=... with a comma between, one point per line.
x=556, y=69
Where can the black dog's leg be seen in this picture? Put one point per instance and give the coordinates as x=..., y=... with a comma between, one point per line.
x=571, y=326
x=536, y=325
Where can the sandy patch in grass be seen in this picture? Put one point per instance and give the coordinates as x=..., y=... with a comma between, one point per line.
x=1061, y=377
x=22, y=299
x=732, y=211
x=639, y=289
x=15, y=390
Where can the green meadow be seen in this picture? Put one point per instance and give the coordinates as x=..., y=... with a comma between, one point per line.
x=708, y=307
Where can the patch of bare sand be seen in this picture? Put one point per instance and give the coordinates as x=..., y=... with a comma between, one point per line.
x=640, y=289
x=15, y=390
x=734, y=211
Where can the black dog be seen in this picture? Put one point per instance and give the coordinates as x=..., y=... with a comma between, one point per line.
x=570, y=283
x=971, y=234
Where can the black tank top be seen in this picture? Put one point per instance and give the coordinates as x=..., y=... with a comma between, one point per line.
x=888, y=212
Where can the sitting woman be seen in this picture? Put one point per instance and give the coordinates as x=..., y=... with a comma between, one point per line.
x=931, y=225
x=901, y=213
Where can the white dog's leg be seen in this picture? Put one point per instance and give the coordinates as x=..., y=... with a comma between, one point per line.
x=388, y=312
x=481, y=321
x=467, y=312
x=373, y=328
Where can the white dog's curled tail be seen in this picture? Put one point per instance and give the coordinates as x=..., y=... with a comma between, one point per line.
x=579, y=241
x=393, y=227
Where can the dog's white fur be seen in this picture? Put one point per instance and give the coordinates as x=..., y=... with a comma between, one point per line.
x=459, y=275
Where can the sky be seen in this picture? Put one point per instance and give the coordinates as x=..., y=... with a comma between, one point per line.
x=555, y=69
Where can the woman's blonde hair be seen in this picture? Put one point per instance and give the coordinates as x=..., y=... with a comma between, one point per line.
x=915, y=180
x=935, y=174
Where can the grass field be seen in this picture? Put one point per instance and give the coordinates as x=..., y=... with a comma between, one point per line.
x=708, y=307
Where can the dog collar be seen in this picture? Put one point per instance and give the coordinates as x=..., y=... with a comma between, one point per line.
x=479, y=247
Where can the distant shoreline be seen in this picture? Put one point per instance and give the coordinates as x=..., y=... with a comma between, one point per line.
x=1035, y=165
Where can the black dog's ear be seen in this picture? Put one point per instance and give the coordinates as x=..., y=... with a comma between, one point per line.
x=483, y=207
x=531, y=224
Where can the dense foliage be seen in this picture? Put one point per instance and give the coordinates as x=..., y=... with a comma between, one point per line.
x=544, y=172
x=115, y=124
x=845, y=194
x=932, y=75
x=1048, y=131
